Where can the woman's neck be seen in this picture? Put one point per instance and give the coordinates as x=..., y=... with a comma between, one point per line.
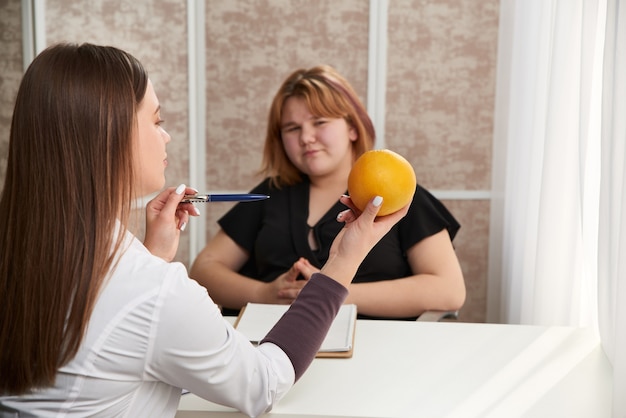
x=324, y=192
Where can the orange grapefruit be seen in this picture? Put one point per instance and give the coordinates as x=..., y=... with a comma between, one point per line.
x=382, y=173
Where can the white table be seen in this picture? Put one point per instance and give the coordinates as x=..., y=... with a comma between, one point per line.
x=449, y=369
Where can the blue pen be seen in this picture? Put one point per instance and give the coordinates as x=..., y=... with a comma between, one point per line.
x=228, y=197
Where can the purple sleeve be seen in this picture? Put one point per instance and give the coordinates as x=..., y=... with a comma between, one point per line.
x=302, y=329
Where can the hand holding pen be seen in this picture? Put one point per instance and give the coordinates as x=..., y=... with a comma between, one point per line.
x=166, y=218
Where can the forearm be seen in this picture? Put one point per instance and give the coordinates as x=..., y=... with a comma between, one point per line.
x=407, y=297
x=341, y=270
x=302, y=329
x=226, y=287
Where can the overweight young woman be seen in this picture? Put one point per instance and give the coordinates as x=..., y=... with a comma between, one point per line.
x=265, y=251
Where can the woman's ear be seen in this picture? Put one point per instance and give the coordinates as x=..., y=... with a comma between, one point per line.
x=353, y=134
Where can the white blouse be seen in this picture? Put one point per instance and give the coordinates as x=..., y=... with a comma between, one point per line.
x=154, y=331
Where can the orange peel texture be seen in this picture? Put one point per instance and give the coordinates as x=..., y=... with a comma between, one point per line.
x=382, y=173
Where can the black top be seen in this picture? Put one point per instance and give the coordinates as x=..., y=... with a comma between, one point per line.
x=274, y=232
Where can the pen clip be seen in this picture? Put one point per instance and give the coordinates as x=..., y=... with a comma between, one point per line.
x=195, y=198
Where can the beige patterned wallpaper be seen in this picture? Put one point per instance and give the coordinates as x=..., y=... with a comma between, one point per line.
x=441, y=58
x=154, y=31
x=11, y=69
x=441, y=70
x=441, y=82
x=251, y=47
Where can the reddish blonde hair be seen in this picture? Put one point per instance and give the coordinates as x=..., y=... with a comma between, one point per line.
x=327, y=94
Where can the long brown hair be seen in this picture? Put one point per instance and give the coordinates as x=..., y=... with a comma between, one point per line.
x=327, y=94
x=68, y=189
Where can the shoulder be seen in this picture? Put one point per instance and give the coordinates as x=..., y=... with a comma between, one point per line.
x=138, y=269
x=425, y=201
x=429, y=215
x=264, y=187
x=154, y=286
x=267, y=188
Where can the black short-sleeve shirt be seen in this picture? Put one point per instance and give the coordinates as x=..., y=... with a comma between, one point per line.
x=274, y=232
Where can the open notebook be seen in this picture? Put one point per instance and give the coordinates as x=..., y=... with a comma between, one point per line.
x=256, y=319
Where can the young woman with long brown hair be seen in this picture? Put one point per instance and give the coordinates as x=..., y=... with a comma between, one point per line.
x=94, y=322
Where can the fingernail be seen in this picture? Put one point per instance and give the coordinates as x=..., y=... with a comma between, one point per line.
x=180, y=189
x=377, y=201
x=183, y=226
x=340, y=216
x=195, y=209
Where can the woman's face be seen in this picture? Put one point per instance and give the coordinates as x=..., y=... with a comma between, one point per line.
x=150, y=141
x=317, y=146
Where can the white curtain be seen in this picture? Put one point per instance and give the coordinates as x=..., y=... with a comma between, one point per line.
x=558, y=227
x=612, y=242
